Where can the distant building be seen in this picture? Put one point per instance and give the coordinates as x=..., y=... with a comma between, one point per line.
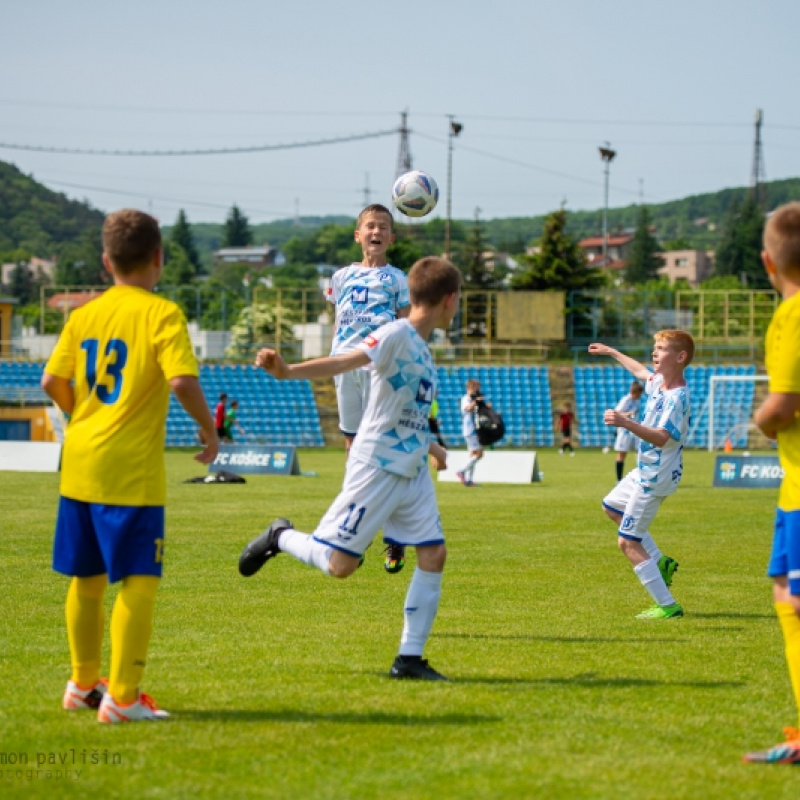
x=263, y=256
x=694, y=266
x=619, y=246
x=39, y=269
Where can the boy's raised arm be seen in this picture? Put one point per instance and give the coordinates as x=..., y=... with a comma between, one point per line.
x=326, y=367
x=637, y=369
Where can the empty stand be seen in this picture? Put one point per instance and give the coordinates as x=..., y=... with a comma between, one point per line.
x=270, y=411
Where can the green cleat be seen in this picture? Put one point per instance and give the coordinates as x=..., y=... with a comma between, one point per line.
x=662, y=612
x=667, y=567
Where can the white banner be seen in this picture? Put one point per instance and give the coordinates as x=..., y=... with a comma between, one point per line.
x=30, y=456
x=496, y=466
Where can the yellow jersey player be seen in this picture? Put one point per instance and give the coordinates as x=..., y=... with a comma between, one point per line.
x=778, y=419
x=111, y=371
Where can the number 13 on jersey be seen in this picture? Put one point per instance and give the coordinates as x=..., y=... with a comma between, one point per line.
x=114, y=358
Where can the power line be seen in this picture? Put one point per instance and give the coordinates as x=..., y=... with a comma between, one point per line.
x=25, y=103
x=150, y=196
x=205, y=152
x=526, y=165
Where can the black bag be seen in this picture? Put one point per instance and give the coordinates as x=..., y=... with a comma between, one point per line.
x=489, y=424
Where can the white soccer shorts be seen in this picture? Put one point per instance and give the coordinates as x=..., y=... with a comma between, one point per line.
x=625, y=442
x=473, y=445
x=372, y=499
x=352, y=394
x=637, y=507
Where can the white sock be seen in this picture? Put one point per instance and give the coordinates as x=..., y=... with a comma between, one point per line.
x=305, y=548
x=651, y=547
x=470, y=468
x=422, y=603
x=650, y=577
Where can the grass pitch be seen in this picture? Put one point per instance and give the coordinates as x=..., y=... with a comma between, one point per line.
x=278, y=684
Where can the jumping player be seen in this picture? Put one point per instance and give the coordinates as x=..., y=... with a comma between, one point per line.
x=387, y=484
x=366, y=295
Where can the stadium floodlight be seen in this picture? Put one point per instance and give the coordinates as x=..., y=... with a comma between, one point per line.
x=607, y=154
x=453, y=131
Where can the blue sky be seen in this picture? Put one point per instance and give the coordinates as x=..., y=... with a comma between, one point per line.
x=537, y=85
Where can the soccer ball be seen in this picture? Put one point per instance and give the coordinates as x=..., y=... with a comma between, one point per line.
x=415, y=194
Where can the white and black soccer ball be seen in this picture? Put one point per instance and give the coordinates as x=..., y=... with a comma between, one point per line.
x=415, y=194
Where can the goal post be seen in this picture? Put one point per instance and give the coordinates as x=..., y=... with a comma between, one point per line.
x=715, y=392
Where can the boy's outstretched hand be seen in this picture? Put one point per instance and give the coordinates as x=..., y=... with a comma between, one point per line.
x=271, y=362
x=598, y=349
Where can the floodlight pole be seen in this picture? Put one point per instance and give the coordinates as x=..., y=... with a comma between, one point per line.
x=607, y=154
x=453, y=131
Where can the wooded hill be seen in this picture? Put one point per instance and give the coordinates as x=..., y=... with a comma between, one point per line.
x=39, y=220
x=43, y=222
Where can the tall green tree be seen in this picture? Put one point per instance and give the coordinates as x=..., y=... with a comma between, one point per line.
x=560, y=262
x=181, y=234
x=237, y=229
x=644, y=261
x=81, y=263
x=22, y=283
x=178, y=269
x=739, y=252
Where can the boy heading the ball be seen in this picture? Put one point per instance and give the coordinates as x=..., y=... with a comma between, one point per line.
x=111, y=371
x=633, y=503
x=387, y=484
x=779, y=418
x=365, y=296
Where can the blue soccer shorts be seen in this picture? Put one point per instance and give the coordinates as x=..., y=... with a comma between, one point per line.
x=96, y=539
x=785, y=557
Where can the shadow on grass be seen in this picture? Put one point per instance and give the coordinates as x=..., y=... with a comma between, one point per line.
x=592, y=679
x=731, y=615
x=342, y=717
x=567, y=639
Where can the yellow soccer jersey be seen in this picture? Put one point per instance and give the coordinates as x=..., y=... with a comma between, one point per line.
x=120, y=350
x=783, y=367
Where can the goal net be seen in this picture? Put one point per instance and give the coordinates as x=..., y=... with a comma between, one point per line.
x=729, y=410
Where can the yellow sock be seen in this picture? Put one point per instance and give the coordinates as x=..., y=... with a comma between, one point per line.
x=790, y=625
x=85, y=623
x=131, y=626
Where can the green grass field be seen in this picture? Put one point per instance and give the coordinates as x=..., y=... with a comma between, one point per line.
x=278, y=684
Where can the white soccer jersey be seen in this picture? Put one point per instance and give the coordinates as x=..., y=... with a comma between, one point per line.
x=394, y=434
x=625, y=441
x=365, y=298
x=660, y=468
x=467, y=417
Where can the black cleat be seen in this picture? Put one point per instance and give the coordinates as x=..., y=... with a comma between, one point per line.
x=416, y=668
x=395, y=558
x=262, y=548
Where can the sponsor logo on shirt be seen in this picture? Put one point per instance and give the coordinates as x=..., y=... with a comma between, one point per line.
x=360, y=295
x=425, y=392
x=370, y=341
